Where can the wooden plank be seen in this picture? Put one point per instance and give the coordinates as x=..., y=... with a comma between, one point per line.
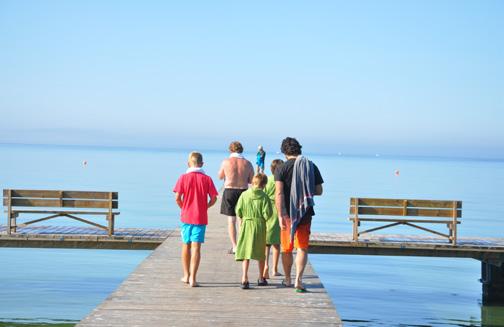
x=410, y=212
x=9, y=211
x=428, y=230
x=55, y=194
x=154, y=296
x=453, y=229
x=430, y=221
x=87, y=222
x=57, y=203
x=379, y=202
x=44, y=194
x=90, y=195
x=65, y=211
x=355, y=227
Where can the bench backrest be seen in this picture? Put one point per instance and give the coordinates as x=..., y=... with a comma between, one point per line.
x=405, y=207
x=60, y=199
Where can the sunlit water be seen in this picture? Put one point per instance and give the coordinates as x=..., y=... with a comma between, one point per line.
x=62, y=286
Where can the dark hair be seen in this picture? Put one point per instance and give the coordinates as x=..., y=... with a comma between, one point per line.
x=291, y=147
x=274, y=164
x=236, y=146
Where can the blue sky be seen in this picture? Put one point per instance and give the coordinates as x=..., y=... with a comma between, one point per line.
x=397, y=77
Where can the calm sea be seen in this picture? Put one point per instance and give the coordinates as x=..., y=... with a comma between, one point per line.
x=40, y=286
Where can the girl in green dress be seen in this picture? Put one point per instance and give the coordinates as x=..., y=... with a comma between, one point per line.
x=272, y=225
x=253, y=208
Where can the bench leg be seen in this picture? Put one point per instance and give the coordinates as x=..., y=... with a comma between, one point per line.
x=355, y=230
x=8, y=224
x=110, y=219
x=454, y=234
x=11, y=228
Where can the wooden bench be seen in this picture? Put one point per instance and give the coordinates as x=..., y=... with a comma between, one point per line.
x=406, y=212
x=19, y=202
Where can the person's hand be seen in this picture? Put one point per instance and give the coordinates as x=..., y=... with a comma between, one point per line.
x=283, y=222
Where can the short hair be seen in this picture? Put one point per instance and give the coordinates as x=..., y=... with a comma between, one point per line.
x=236, y=146
x=195, y=158
x=291, y=147
x=274, y=164
x=260, y=180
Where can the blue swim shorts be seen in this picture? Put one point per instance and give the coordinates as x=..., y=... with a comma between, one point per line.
x=192, y=233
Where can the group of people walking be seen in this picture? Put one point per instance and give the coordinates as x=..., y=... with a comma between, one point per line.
x=275, y=213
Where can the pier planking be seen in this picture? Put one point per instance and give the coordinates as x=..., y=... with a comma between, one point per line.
x=153, y=294
x=83, y=238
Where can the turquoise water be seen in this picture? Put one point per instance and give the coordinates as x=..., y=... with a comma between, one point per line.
x=59, y=286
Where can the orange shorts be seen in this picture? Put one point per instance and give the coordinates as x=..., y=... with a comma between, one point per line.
x=301, y=237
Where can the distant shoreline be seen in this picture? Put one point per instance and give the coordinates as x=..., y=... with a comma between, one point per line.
x=213, y=150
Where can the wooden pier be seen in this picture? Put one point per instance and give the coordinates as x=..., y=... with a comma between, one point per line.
x=83, y=238
x=490, y=251
x=153, y=294
x=484, y=249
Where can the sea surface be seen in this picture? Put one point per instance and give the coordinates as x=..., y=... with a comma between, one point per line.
x=40, y=287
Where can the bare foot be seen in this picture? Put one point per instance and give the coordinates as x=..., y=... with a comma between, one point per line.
x=276, y=274
x=194, y=284
x=185, y=280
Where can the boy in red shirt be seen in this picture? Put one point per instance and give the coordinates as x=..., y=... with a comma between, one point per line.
x=194, y=193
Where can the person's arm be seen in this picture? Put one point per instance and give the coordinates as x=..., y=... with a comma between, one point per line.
x=221, y=173
x=178, y=199
x=280, y=204
x=238, y=208
x=268, y=209
x=251, y=173
x=212, y=201
x=318, y=181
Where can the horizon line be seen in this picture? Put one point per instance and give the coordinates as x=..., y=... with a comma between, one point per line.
x=336, y=153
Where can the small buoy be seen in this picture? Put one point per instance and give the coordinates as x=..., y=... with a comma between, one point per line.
x=397, y=172
x=84, y=163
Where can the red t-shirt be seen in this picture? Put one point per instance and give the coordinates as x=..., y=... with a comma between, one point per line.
x=195, y=188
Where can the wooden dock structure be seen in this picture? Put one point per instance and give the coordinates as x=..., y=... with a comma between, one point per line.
x=483, y=249
x=83, y=238
x=489, y=251
x=153, y=294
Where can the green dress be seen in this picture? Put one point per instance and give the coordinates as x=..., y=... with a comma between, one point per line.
x=253, y=208
x=272, y=225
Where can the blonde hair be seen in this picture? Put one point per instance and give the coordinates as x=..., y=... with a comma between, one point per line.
x=195, y=159
x=260, y=180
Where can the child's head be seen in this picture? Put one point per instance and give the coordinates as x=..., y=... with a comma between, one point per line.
x=236, y=147
x=274, y=164
x=195, y=159
x=259, y=181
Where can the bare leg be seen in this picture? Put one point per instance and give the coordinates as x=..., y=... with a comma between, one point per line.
x=186, y=258
x=287, y=266
x=195, y=261
x=232, y=230
x=261, y=269
x=301, y=260
x=245, y=267
x=276, y=256
x=265, y=273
